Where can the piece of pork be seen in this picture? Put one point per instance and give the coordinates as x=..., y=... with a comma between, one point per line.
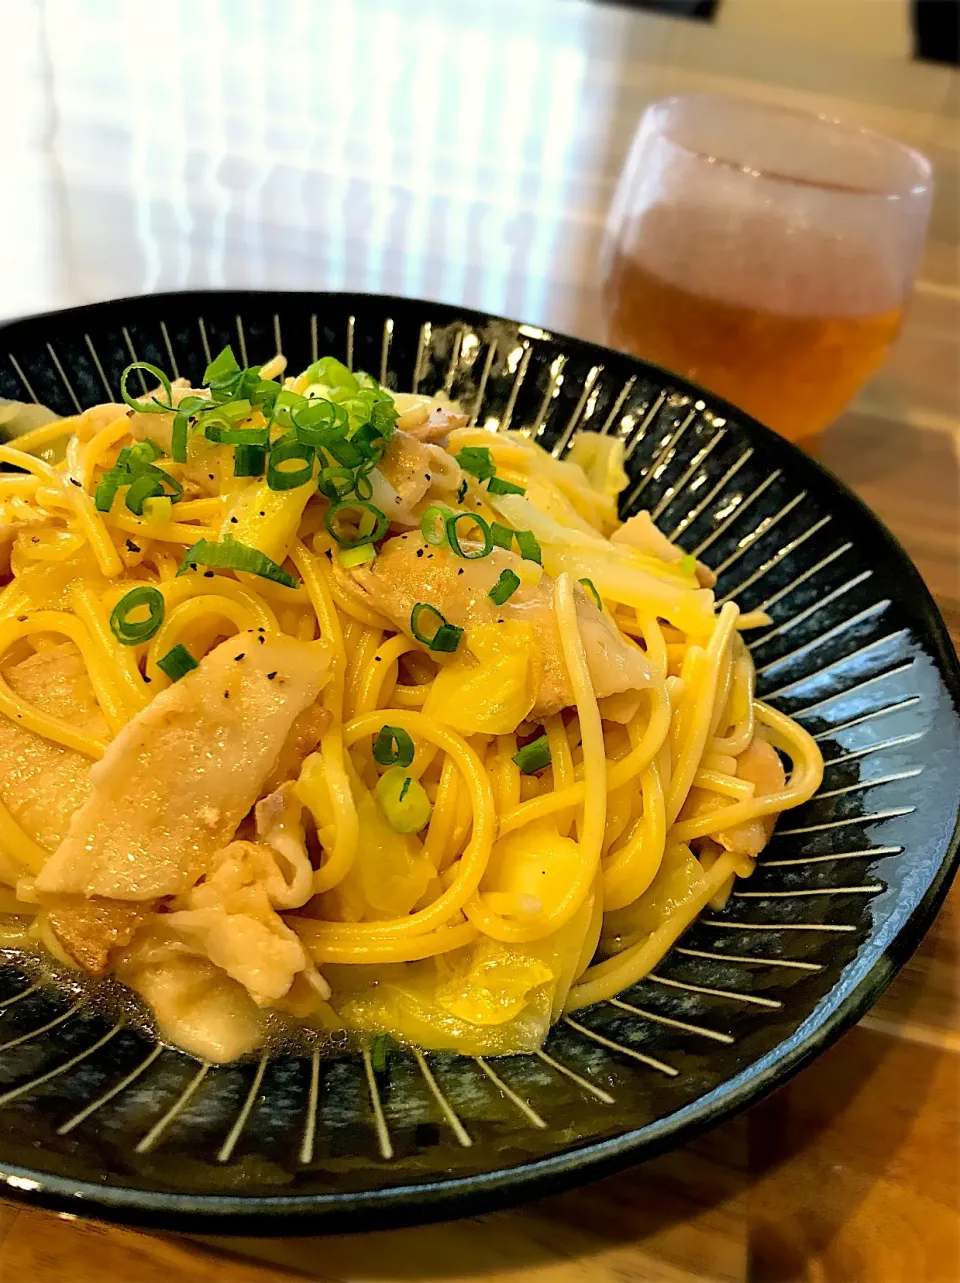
x=408, y=570
x=42, y=783
x=410, y=472
x=178, y=779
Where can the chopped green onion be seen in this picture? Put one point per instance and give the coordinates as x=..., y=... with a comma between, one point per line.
x=150, y=481
x=176, y=663
x=249, y=460
x=279, y=478
x=345, y=453
x=336, y=483
x=393, y=747
x=350, y=557
x=188, y=407
x=403, y=800
x=143, y=453
x=496, y=485
x=592, y=590
x=505, y=587
x=128, y=631
x=528, y=545
x=153, y=406
x=332, y=374
x=157, y=509
x=144, y=487
x=502, y=536
x=451, y=527
x=447, y=636
x=222, y=367
x=366, y=510
x=478, y=461
x=231, y=554
x=378, y=1053
x=533, y=757
x=106, y=491
x=318, y=422
x=428, y=524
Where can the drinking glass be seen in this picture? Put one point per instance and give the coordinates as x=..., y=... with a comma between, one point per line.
x=763, y=253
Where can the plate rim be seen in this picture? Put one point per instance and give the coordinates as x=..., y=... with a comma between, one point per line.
x=455, y=1196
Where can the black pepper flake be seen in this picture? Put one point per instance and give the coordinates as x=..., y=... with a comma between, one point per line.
x=235, y=521
x=74, y=481
x=208, y=574
x=261, y=629
x=262, y=514
x=460, y=571
x=419, y=552
x=237, y=658
x=426, y=476
x=261, y=639
x=226, y=694
x=131, y=546
x=271, y=676
x=378, y=659
x=211, y=476
x=398, y=499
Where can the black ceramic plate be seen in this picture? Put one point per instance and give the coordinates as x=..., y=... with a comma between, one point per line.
x=96, y=1117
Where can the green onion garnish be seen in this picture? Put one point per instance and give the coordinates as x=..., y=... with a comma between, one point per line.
x=231, y=554
x=451, y=528
x=106, y=491
x=592, y=590
x=528, y=545
x=177, y=662
x=505, y=587
x=433, y=524
x=280, y=478
x=478, y=461
x=496, y=485
x=142, y=454
x=378, y=1053
x=129, y=631
x=447, y=636
x=336, y=483
x=153, y=405
x=345, y=453
x=221, y=368
x=403, y=800
x=350, y=557
x=149, y=481
x=367, y=511
x=534, y=756
x=502, y=536
x=393, y=747
x=144, y=487
x=249, y=460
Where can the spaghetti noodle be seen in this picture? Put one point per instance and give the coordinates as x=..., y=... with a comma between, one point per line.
x=341, y=709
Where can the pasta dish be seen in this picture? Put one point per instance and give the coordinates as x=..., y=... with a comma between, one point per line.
x=323, y=710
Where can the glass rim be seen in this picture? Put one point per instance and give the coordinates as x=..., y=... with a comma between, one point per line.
x=922, y=166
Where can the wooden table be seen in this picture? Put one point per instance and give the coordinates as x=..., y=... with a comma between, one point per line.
x=468, y=153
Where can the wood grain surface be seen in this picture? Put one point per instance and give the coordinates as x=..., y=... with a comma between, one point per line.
x=469, y=153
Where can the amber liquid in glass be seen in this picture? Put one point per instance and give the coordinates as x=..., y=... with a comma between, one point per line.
x=794, y=370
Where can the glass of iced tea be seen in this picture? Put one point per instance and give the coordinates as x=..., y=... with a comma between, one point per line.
x=765, y=254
